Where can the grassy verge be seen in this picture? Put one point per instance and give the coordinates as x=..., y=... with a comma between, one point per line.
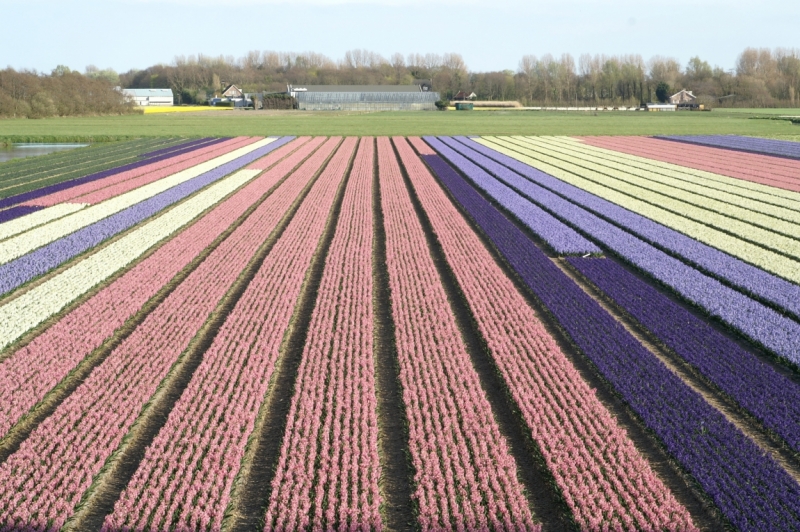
x=396, y=123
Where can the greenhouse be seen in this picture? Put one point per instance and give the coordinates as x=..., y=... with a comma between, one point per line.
x=364, y=97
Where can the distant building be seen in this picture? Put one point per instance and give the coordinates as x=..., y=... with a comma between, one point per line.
x=661, y=107
x=461, y=96
x=364, y=97
x=232, y=96
x=425, y=85
x=685, y=100
x=683, y=97
x=232, y=92
x=146, y=97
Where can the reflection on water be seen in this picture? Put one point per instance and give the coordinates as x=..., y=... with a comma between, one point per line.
x=15, y=151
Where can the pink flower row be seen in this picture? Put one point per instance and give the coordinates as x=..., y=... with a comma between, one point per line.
x=32, y=371
x=47, y=476
x=103, y=189
x=465, y=476
x=605, y=481
x=185, y=478
x=763, y=169
x=327, y=475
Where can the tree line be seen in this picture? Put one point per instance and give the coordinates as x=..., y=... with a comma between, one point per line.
x=63, y=92
x=761, y=78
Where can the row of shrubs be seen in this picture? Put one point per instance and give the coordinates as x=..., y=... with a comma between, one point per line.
x=26, y=94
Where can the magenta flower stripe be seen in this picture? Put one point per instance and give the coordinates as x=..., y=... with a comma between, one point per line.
x=604, y=480
x=44, y=480
x=32, y=371
x=328, y=469
x=465, y=475
x=196, y=455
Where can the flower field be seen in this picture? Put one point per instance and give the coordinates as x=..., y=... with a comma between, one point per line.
x=426, y=333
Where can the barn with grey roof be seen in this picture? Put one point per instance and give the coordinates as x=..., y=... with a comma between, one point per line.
x=419, y=97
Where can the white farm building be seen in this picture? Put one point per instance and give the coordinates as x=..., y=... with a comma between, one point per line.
x=160, y=97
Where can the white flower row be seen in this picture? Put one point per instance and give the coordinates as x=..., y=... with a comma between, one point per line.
x=684, y=185
x=38, y=304
x=744, y=222
x=26, y=242
x=751, y=189
x=684, y=181
x=754, y=254
x=34, y=219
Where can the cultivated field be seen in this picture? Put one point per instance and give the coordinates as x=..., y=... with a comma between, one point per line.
x=496, y=332
x=233, y=123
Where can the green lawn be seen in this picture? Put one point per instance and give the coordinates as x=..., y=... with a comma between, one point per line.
x=791, y=111
x=231, y=123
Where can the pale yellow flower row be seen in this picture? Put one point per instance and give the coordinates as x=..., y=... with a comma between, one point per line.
x=689, y=179
x=749, y=189
x=40, y=303
x=35, y=219
x=739, y=215
x=42, y=235
x=770, y=261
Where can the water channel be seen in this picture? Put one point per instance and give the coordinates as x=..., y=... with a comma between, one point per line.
x=15, y=151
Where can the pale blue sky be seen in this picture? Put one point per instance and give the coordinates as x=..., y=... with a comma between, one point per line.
x=490, y=34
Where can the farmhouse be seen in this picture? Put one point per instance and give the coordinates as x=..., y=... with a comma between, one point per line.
x=145, y=97
x=418, y=97
x=461, y=96
x=683, y=97
x=685, y=100
x=232, y=92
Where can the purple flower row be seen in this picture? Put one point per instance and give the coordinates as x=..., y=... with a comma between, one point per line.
x=766, y=393
x=16, y=212
x=748, y=278
x=64, y=185
x=21, y=270
x=178, y=147
x=750, y=488
x=564, y=240
x=781, y=148
x=763, y=324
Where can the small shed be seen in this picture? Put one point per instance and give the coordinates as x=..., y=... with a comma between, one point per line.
x=149, y=97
